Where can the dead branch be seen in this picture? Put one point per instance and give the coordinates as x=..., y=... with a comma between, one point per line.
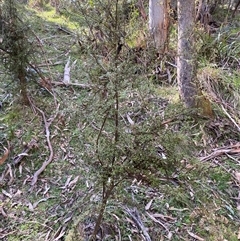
x=48, y=161
x=134, y=214
x=232, y=149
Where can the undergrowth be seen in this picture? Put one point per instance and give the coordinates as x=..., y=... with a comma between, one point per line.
x=163, y=189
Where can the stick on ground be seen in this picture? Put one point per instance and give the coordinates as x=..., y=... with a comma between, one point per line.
x=48, y=161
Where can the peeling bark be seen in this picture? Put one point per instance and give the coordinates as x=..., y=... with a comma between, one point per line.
x=159, y=23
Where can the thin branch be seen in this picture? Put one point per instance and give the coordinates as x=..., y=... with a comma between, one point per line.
x=99, y=134
x=48, y=161
x=233, y=149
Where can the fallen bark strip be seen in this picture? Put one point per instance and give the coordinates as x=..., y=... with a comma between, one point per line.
x=48, y=161
x=232, y=149
x=66, y=75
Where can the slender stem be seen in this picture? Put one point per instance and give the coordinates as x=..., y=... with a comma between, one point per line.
x=102, y=210
x=99, y=135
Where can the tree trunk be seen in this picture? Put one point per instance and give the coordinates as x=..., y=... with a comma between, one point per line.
x=186, y=62
x=159, y=23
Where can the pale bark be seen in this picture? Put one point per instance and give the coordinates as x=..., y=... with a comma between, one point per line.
x=159, y=23
x=186, y=63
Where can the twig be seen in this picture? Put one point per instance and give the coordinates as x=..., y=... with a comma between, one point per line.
x=48, y=64
x=60, y=28
x=233, y=121
x=233, y=149
x=45, y=163
x=234, y=159
x=82, y=86
x=134, y=214
x=157, y=221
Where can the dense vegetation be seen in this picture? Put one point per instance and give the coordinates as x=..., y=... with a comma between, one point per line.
x=95, y=141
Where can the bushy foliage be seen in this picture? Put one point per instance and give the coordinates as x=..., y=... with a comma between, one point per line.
x=125, y=139
x=16, y=48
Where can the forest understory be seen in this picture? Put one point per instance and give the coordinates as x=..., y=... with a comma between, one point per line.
x=167, y=172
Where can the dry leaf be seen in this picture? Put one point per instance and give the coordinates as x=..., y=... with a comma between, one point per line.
x=163, y=217
x=30, y=206
x=157, y=221
x=18, y=193
x=169, y=236
x=239, y=234
x=131, y=122
x=147, y=207
x=22, y=154
x=6, y=193
x=5, y=156
x=73, y=182
x=178, y=209
x=67, y=182
x=195, y=236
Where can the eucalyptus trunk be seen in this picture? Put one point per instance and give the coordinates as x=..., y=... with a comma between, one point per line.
x=159, y=23
x=186, y=60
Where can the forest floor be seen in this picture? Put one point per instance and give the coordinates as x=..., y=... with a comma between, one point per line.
x=197, y=199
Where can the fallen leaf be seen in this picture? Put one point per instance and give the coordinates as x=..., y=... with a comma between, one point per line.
x=169, y=236
x=18, y=193
x=157, y=221
x=195, y=236
x=149, y=204
x=67, y=182
x=178, y=209
x=163, y=217
x=5, y=156
x=22, y=154
x=131, y=122
x=73, y=182
x=6, y=193
x=30, y=206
